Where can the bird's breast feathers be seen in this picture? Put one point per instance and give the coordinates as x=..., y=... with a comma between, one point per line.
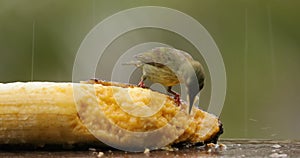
x=162, y=75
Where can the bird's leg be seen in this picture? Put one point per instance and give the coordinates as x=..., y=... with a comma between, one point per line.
x=176, y=95
x=141, y=83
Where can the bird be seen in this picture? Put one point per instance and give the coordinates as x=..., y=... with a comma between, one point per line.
x=169, y=67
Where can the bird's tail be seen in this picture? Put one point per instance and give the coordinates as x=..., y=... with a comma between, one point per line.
x=136, y=63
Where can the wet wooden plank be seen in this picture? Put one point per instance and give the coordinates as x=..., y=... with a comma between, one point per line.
x=234, y=148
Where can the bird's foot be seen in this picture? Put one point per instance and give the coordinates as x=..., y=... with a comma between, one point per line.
x=176, y=96
x=177, y=99
x=142, y=84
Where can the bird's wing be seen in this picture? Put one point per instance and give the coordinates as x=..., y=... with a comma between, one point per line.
x=164, y=56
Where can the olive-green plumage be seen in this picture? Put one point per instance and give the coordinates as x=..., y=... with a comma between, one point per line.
x=169, y=66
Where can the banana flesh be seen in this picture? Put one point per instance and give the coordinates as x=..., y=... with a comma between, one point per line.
x=118, y=114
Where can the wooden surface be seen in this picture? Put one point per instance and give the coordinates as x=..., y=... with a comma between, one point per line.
x=234, y=148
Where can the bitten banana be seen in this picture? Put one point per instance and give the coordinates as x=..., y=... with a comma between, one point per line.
x=68, y=113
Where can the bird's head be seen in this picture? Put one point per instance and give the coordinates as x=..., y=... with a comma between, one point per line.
x=194, y=81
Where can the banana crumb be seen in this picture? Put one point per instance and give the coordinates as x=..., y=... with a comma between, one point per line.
x=222, y=146
x=276, y=146
x=92, y=149
x=278, y=155
x=167, y=148
x=211, y=145
x=146, y=151
x=100, y=154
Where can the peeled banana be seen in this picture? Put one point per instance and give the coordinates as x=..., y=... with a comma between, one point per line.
x=119, y=115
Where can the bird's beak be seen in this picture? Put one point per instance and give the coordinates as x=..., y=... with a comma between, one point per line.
x=193, y=90
x=191, y=101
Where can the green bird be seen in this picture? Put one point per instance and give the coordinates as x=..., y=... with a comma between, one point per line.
x=169, y=67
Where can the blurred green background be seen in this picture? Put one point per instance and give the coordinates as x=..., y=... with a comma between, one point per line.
x=258, y=39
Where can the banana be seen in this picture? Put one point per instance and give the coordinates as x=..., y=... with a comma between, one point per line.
x=121, y=115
